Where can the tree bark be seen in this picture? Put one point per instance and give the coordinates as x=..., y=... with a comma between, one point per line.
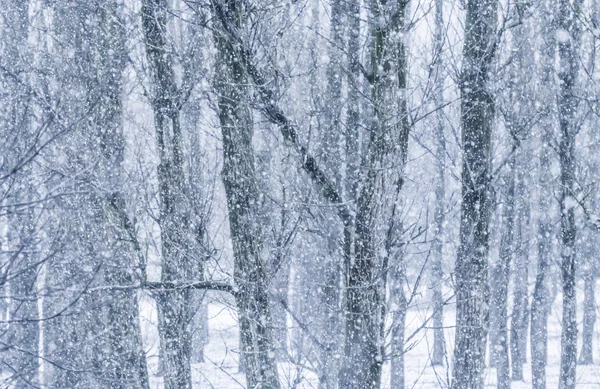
x=436, y=271
x=477, y=110
x=365, y=295
x=586, y=357
x=520, y=313
x=499, y=285
x=331, y=149
x=398, y=310
x=125, y=363
x=177, y=264
x=568, y=45
x=243, y=201
x=541, y=301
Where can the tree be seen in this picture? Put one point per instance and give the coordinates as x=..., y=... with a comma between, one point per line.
x=439, y=348
x=477, y=110
x=540, y=303
x=499, y=283
x=178, y=264
x=243, y=200
x=365, y=294
x=568, y=35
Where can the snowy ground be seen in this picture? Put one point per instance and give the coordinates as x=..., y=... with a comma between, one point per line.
x=220, y=369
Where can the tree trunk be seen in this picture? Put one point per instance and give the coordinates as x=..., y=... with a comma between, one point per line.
x=353, y=111
x=279, y=301
x=200, y=334
x=177, y=264
x=365, y=299
x=589, y=319
x=332, y=163
x=125, y=363
x=541, y=301
x=520, y=314
x=398, y=312
x=519, y=318
x=477, y=110
x=436, y=277
x=499, y=285
x=568, y=45
x=243, y=201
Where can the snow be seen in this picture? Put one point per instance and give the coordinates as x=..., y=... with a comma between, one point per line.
x=562, y=36
x=220, y=369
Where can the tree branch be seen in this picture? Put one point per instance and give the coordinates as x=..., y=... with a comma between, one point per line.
x=202, y=285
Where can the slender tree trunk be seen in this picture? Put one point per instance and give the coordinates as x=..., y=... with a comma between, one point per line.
x=332, y=163
x=398, y=313
x=499, y=285
x=568, y=45
x=353, y=111
x=589, y=319
x=243, y=201
x=400, y=131
x=541, y=301
x=477, y=110
x=363, y=348
x=519, y=318
x=436, y=283
x=352, y=151
x=200, y=335
x=520, y=314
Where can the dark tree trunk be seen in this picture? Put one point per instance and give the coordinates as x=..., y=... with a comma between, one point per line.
x=279, y=301
x=477, y=110
x=365, y=299
x=243, y=201
x=124, y=364
x=568, y=45
x=177, y=264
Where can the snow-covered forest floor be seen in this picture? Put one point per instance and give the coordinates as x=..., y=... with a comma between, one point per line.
x=220, y=369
